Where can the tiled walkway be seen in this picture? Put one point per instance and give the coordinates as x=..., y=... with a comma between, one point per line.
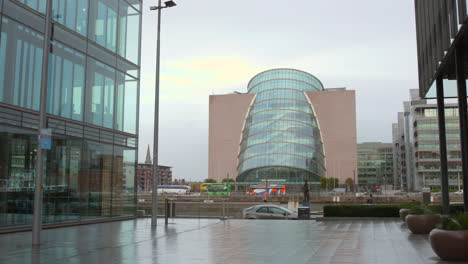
x=232, y=241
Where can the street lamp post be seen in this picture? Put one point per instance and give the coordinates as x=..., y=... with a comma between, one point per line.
x=37, y=215
x=154, y=195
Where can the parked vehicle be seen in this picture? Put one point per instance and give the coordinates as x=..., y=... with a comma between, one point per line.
x=338, y=190
x=268, y=211
x=401, y=193
x=173, y=189
x=459, y=192
x=271, y=189
x=220, y=189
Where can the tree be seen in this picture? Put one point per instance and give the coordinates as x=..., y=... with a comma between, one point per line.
x=228, y=180
x=323, y=183
x=195, y=186
x=332, y=183
x=210, y=181
x=350, y=184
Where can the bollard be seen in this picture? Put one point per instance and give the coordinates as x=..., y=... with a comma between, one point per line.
x=166, y=212
x=173, y=209
x=426, y=193
x=224, y=213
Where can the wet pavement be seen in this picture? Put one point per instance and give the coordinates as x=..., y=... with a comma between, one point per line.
x=216, y=241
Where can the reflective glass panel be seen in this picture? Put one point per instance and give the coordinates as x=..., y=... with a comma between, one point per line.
x=72, y=14
x=17, y=173
x=21, y=59
x=103, y=23
x=38, y=5
x=61, y=194
x=66, y=82
x=129, y=32
x=126, y=109
x=123, y=182
x=95, y=184
x=99, y=108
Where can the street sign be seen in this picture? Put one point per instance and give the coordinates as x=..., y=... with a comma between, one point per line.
x=45, y=138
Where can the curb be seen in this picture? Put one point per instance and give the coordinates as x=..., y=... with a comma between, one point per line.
x=324, y=219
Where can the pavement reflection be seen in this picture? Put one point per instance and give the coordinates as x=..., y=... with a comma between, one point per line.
x=216, y=241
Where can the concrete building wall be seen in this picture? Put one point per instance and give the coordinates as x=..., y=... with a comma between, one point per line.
x=226, y=121
x=336, y=114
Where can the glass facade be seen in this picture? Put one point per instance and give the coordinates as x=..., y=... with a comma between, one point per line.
x=281, y=138
x=92, y=109
x=375, y=164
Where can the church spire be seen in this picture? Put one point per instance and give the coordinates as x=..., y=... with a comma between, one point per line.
x=148, y=156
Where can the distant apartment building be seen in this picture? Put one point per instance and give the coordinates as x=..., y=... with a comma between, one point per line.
x=416, y=145
x=375, y=164
x=287, y=127
x=145, y=174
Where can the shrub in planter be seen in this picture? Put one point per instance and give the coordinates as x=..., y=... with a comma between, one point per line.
x=455, y=208
x=450, y=240
x=406, y=207
x=421, y=220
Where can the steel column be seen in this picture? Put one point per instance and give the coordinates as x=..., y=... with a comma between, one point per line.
x=463, y=115
x=443, y=147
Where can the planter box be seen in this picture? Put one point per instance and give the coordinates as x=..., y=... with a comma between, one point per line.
x=422, y=224
x=404, y=213
x=450, y=245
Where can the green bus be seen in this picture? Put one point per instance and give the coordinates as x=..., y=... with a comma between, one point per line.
x=218, y=189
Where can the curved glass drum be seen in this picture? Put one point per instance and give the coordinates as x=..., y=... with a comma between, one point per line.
x=281, y=138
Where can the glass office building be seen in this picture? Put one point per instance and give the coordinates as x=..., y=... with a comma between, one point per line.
x=281, y=138
x=92, y=109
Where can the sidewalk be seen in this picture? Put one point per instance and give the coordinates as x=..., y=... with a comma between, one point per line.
x=232, y=241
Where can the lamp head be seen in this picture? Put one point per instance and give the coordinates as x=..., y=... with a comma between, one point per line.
x=170, y=3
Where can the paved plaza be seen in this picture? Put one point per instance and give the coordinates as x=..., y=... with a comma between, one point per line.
x=216, y=241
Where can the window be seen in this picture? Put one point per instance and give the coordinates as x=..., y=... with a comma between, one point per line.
x=100, y=94
x=430, y=112
x=96, y=180
x=17, y=170
x=103, y=23
x=129, y=32
x=263, y=210
x=20, y=71
x=66, y=82
x=274, y=210
x=123, y=184
x=72, y=14
x=126, y=109
x=38, y=5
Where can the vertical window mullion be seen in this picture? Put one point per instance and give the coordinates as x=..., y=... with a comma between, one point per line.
x=72, y=89
x=77, y=10
x=33, y=73
x=19, y=72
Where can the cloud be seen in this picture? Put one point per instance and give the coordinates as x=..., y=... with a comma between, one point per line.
x=198, y=77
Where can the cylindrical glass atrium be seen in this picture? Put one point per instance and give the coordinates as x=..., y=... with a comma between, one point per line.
x=281, y=137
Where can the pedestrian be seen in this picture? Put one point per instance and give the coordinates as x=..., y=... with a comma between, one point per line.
x=370, y=200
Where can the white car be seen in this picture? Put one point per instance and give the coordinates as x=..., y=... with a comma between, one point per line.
x=269, y=211
x=459, y=192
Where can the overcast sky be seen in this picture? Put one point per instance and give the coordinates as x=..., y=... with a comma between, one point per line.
x=216, y=46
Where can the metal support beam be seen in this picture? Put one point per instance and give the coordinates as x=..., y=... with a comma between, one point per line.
x=463, y=115
x=37, y=217
x=154, y=189
x=443, y=147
